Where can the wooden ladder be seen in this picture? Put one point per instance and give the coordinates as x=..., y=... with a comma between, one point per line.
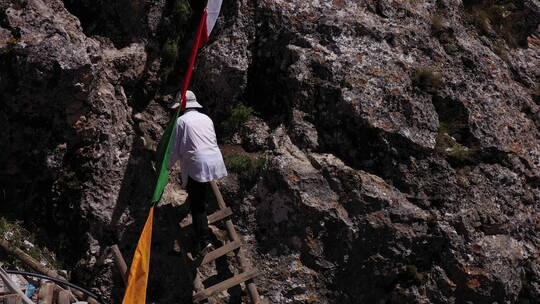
x=235, y=245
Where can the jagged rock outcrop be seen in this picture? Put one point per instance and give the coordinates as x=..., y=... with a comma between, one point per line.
x=69, y=138
x=439, y=195
x=401, y=138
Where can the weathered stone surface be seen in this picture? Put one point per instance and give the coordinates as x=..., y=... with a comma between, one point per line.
x=70, y=140
x=254, y=134
x=379, y=187
x=339, y=77
x=224, y=79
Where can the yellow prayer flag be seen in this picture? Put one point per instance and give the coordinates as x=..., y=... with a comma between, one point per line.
x=140, y=266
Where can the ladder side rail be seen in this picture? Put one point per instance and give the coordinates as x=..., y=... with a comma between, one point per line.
x=244, y=264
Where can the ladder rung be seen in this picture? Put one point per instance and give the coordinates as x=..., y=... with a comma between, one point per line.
x=219, y=215
x=221, y=251
x=237, y=279
x=212, y=218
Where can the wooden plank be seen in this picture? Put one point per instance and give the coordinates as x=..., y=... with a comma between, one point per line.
x=217, y=194
x=219, y=215
x=197, y=283
x=244, y=264
x=120, y=262
x=10, y=299
x=14, y=300
x=237, y=279
x=64, y=291
x=221, y=251
x=4, y=289
x=28, y=260
x=212, y=218
x=64, y=297
x=46, y=293
x=13, y=287
x=77, y=293
x=252, y=289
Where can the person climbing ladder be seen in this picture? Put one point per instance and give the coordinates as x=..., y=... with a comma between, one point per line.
x=195, y=145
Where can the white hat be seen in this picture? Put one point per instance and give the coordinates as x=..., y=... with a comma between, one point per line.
x=191, y=102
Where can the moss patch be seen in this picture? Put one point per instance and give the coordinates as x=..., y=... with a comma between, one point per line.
x=426, y=80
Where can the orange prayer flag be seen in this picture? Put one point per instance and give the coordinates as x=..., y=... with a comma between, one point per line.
x=140, y=266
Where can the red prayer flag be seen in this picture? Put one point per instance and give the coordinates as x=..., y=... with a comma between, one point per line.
x=208, y=20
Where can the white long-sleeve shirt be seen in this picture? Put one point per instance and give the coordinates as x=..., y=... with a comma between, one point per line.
x=195, y=145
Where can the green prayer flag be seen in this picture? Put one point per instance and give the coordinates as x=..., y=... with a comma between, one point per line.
x=163, y=152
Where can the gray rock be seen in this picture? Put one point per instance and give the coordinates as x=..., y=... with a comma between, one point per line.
x=255, y=134
x=378, y=187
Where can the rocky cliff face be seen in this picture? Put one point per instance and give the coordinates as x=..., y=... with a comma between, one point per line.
x=401, y=138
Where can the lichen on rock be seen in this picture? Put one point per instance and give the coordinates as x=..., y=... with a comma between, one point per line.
x=400, y=139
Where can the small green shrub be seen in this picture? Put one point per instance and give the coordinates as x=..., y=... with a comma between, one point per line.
x=248, y=168
x=500, y=50
x=451, y=48
x=169, y=52
x=16, y=235
x=175, y=27
x=169, y=58
x=505, y=18
x=447, y=146
x=426, y=79
x=181, y=10
x=480, y=19
x=11, y=43
x=239, y=115
x=461, y=154
x=445, y=35
x=437, y=26
x=68, y=180
x=413, y=273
